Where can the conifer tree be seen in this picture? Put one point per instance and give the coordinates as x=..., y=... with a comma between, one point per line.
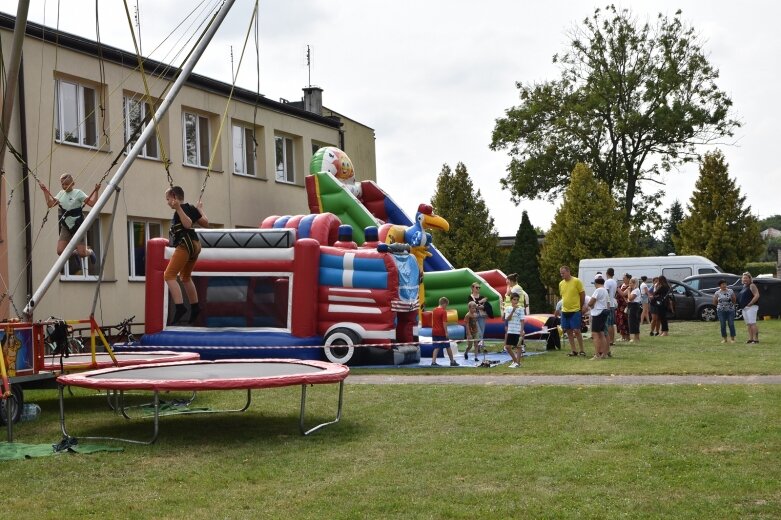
x=719, y=225
x=472, y=240
x=674, y=217
x=524, y=260
x=587, y=225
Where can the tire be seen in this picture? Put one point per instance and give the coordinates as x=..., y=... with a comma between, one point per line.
x=708, y=313
x=738, y=314
x=16, y=402
x=340, y=345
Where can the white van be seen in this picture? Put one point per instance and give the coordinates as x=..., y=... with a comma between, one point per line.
x=673, y=267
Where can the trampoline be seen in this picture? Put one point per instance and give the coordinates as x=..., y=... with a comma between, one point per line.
x=124, y=359
x=238, y=374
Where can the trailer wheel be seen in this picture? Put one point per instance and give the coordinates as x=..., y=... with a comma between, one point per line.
x=340, y=345
x=15, y=402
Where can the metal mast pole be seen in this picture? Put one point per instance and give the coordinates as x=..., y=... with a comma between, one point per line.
x=131, y=156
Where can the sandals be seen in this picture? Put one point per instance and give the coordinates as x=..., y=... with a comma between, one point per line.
x=572, y=354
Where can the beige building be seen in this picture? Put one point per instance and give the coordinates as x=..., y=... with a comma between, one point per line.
x=74, y=112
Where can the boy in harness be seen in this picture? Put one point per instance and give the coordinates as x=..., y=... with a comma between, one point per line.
x=187, y=247
x=71, y=201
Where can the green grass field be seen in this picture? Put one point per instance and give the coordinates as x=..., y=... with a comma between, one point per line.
x=440, y=451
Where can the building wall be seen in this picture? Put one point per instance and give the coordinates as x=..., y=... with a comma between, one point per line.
x=230, y=200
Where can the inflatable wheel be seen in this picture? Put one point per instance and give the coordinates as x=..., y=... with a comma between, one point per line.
x=15, y=402
x=339, y=345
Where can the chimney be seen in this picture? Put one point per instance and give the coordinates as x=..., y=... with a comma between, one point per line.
x=313, y=100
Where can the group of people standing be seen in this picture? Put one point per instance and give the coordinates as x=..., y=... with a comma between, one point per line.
x=727, y=302
x=614, y=309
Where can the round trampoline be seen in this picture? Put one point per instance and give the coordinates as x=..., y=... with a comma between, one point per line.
x=235, y=374
x=103, y=360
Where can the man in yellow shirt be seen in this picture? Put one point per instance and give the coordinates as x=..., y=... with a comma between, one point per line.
x=573, y=297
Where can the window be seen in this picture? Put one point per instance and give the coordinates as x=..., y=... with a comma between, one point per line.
x=257, y=300
x=76, y=118
x=284, y=158
x=139, y=232
x=77, y=268
x=196, y=140
x=243, y=150
x=137, y=115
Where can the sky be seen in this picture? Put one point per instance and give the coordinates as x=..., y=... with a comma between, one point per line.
x=432, y=76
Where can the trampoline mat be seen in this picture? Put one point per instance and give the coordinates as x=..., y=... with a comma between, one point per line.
x=103, y=359
x=204, y=375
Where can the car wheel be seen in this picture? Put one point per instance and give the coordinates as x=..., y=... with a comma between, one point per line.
x=12, y=403
x=340, y=345
x=708, y=313
x=738, y=314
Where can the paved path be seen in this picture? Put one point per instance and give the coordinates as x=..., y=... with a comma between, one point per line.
x=577, y=380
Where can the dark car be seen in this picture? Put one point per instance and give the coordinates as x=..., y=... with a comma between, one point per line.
x=690, y=303
x=708, y=283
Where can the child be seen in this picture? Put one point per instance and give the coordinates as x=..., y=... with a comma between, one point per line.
x=439, y=333
x=71, y=201
x=472, y=330
x=187, y=247
x=513, y=314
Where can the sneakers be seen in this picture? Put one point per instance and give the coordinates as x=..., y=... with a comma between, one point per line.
x=572, y=354
x=435, y=364
x=723, y=340
x=513, y=365
x=582, y=353
x=732, y=340
x=454, y=363
x=466, y=356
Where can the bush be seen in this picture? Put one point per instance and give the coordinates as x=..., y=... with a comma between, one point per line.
x=757, y=268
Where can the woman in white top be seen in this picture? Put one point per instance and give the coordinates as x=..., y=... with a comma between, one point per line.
x=634, y=309
x=599, y=310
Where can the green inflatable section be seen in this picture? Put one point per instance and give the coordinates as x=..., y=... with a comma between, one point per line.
x=337, y=200
x=455, y=286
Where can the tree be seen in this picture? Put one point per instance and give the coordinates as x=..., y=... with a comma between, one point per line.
x=632, y=101
x=718, y=225
x=674, y=217
x=524, y=260
x=472, y=240
x=773, y=221
x=587, y=225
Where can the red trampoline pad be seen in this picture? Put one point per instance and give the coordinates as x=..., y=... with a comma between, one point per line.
x=103, y=360
x=210, y=375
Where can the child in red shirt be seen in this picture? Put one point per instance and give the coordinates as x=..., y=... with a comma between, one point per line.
x=439, y=333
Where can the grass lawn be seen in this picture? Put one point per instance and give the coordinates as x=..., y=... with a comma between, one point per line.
x=428, y=451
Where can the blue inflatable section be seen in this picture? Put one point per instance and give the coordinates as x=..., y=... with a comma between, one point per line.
x=367, y=273
x=454, y=332
x=231, y=344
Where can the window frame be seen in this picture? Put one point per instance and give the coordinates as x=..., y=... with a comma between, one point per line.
x=83, y=120
x=131, y=246
x=145, y=108
x=288, y=159
x=246, y=132
x=94, y=243
x=199, y=142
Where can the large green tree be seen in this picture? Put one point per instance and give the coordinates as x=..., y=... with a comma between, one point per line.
x=719, y=224
x=587, y=225
x=773, y=221
x=633, y=100
x=472, y=240
x=524, y=260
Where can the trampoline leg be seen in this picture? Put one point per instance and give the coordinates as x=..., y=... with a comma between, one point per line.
x=121, y=408
x=301, y=426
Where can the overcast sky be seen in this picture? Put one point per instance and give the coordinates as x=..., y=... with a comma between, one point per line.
x=432, y=76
